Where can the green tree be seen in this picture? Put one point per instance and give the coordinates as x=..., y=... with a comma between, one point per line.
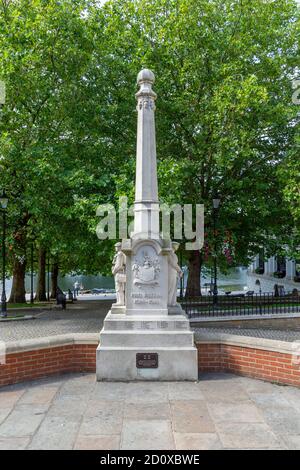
x=225, y=120
x=224, y=114
x=45, y=50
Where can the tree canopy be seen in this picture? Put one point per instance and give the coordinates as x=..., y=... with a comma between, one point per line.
x=225, y=121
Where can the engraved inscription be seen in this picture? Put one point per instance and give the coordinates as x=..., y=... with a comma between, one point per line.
x=146, y=298
x=164, y=324
x=146, y=325
x=180, y=325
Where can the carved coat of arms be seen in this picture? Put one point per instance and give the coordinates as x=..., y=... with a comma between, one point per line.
x=146, y=274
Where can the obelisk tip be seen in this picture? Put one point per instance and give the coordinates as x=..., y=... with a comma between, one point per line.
x=145, y=75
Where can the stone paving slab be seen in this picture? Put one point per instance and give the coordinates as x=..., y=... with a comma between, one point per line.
x=248, y=436
x=23, y=421
x=191, y=417
x=142, y=411
x=108, y=442
x=4, y=412
x=244, y=412
x=102, y=418
x=56, y=432
x=14, y=443
x=197, y=441
x=220, y=411
x=147, y=435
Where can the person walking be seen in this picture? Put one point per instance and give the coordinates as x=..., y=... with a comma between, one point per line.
x=76, y=287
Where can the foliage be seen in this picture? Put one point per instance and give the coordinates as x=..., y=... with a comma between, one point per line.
x=225, y=120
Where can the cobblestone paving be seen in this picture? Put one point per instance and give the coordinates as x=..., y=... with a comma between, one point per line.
x=87, y=317
x=280, y=335
x=221, y=411
x=81, y=317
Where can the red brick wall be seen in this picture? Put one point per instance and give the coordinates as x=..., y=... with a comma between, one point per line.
x=35, y=364
x=257, y=363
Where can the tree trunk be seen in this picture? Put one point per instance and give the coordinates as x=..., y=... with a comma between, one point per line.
x=193, y=287
x=54, y=280
x=17, y=294
x=41, y=284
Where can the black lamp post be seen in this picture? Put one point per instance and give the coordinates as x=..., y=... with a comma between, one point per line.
x=31, y=273
x=3, y=204
x=48, y=278
x=216, y=204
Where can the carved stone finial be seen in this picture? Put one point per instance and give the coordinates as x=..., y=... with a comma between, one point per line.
x=145, y=75
x=145, y=80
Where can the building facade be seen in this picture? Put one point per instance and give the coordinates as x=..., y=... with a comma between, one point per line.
x=265, y=275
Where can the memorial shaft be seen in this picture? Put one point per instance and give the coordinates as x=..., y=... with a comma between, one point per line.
x=146, y=207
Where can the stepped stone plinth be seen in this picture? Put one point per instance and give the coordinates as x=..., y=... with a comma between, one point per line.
x=146, y=335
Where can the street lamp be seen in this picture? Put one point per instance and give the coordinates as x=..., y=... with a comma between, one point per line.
x=216, y=204
x=31, y=270
x=3, y=204
x=48, y=278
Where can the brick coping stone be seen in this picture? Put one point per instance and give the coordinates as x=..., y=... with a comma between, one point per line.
x=266, y=344
x=231, y=318
x=46, y=342
x=261, y=358
x=285, y=347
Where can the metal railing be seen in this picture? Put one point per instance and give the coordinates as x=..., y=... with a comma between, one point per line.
x=242, y=304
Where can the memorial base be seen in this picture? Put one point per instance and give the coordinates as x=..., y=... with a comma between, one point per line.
x=124, y=337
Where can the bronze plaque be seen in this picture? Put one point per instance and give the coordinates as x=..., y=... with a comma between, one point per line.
x=147, y=360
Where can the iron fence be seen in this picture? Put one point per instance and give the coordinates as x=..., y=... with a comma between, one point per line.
x=242, y=304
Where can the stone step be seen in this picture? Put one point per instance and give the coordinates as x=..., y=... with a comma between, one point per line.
x=127, y=324
x=146, y=339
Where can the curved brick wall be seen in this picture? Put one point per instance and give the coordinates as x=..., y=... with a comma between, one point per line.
x=275, y=361
x=271, y=366
x=33, y=359
x=35, y=364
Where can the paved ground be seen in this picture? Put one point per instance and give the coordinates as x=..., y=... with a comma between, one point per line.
x=220, y=411
x=87, y=317
x=280, y=335
x=81, y=317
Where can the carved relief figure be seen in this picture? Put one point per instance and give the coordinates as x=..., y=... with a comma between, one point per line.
x=118, y=270
x=174, y=272
x=147, y=272
x=146, y=103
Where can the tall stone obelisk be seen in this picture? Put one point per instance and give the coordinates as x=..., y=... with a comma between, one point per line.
x=146, y=338
x=146, y=206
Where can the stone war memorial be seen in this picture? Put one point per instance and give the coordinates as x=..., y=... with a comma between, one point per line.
x=146, y=334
